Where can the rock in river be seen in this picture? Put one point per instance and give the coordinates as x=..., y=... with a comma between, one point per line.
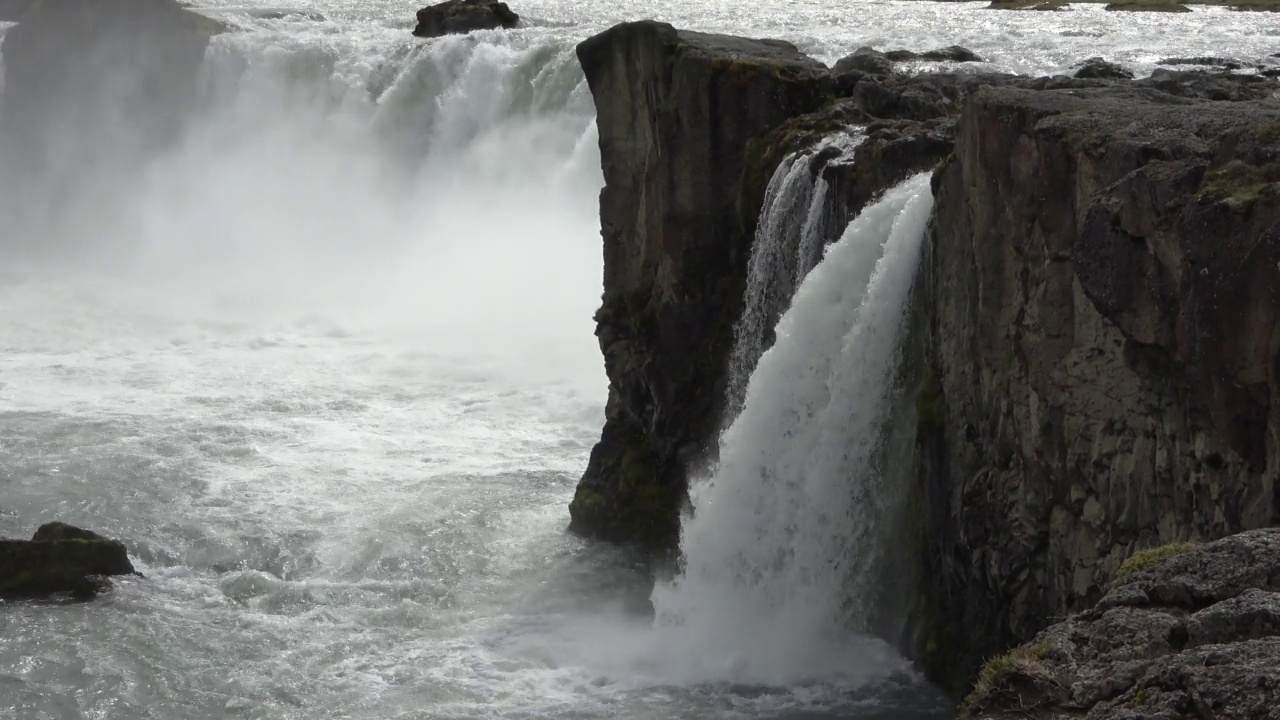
x=60, y=558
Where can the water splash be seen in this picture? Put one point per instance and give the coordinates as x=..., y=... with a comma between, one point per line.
x=781, y=552
x=794, y=227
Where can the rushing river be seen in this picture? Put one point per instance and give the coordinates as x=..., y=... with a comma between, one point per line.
x=328, y=368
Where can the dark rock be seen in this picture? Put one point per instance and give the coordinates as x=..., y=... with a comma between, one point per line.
x=1097, y=68
x=1101, y=319
x=1224, y=63
x=1154, y=660
x=464, y=16
x=954, y=53
x=60, y=558
x=864, y=60
x=675, y=111
x=1138, y=6
x=1027, y=4
x=12, y=10
x=90, y=587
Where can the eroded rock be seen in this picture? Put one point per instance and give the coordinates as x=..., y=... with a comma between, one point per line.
x=676, y=111
x=1102, y=315
x=1097, y=68
x=1156, y=660
x=464, y=16
x=60, y=559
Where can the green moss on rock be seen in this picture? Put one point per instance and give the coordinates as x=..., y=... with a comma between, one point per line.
x=1240, y=183
x=1146, y=558
x=57, y=560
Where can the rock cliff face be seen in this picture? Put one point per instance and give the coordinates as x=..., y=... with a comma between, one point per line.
x=676, y=111
x=1104, y=286
x=1099, y=311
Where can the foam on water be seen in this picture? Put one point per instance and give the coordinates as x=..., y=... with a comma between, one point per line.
x=779, y=553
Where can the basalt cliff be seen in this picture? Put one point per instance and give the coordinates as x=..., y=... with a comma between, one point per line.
x=1097, y=310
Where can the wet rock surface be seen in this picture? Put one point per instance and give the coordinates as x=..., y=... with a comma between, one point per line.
x=60, y=558
x=1194, y=635
x=464, y=16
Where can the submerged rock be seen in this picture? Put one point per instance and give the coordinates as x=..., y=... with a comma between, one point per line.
x=1027, y=4
x=1197, y=628
x=464, y=16
x=1097, y=68
x=60, y=558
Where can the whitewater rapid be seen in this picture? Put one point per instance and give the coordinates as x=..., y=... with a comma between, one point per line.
x=327, y=366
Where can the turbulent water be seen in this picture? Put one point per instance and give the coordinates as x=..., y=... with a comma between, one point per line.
x=327, y=367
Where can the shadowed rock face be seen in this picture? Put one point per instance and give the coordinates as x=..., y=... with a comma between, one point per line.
x=675, y=111
x=1196, y=635
x=60, y=558
x=1104, y=283
x=464, y=16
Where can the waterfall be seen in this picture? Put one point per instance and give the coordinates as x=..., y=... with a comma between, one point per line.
x=447, y=187
x=780, y=555
x=793, y=229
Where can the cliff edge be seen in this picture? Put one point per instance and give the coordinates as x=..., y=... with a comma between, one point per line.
x=675, y=111
x=1105, y=291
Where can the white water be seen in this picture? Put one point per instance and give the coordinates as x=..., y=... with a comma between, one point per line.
x=327, y=368
x=781, y=548
x=789, y=240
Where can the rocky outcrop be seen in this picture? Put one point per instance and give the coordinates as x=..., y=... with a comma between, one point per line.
x=1196, y=634
x=60, y=558
x=1097, y=68
x=676, y=111
x=1103, y=279
x=464, y=16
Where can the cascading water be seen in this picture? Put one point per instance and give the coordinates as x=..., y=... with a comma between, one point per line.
x=794, y=224
x=780, y=555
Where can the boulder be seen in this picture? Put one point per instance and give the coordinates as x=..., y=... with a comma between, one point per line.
x=1139, y=6
x=1195, y=632
x=954, y=53
x=864, y=60
x=464, y=16
x=60, y=558
x=1097, y=68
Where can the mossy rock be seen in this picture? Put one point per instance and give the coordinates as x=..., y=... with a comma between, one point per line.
x=1021, y=673
x=1240, y=183
x=1144, y=559
x=59, y=559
